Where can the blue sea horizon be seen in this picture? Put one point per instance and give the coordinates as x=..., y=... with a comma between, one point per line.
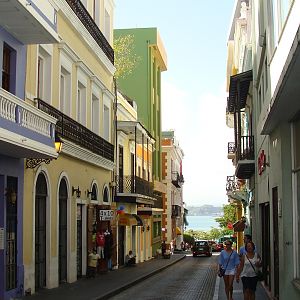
x=204, y=223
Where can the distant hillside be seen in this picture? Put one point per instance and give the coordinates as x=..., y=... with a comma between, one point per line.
x=205, y=210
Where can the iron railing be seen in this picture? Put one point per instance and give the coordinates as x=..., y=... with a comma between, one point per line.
x=73, y=131
x=232, y=184
x=177, y=179
x=134, y=185
x=176, y=211
x=245, y=150
x=88, y=22
x=231, y=148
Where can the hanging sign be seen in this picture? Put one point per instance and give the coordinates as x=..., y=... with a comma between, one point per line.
x=106, y=214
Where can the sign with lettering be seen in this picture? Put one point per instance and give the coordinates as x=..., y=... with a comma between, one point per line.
x=106, y=214
x=261, y=162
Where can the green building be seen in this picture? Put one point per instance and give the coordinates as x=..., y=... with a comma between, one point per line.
x=144, y=84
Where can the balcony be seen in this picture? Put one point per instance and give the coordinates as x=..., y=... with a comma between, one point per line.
x=31, y=22
x=131, y=184
x=245, y=163
x=25, y=131
x=176, y=211
x=88, y=22
x=231, y=150
x=177, y=179
x=73, y=131
x=236, y=189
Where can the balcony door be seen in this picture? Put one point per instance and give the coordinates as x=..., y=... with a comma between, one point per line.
x=63, y=231
x=121, y=169
x=40, y=231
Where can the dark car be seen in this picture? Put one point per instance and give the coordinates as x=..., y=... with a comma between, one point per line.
x=202, y=248
x=220, y=247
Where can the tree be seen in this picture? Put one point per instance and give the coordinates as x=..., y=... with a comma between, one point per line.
x=228, y=216
x=125, y=58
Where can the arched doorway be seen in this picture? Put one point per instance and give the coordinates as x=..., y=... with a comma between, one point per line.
x=63, y=231
x=40, y=231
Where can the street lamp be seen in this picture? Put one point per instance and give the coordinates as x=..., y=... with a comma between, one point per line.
x=31, y=163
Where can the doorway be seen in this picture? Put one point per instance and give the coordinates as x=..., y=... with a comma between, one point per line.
x=40, y=231
x=275, y=241
x=266, y=249
x=63, y=231
x=121, y=238
x=79, y=240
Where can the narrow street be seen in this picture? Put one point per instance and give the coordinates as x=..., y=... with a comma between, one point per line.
x=191, y=278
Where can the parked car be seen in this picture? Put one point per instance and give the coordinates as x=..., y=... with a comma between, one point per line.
x=220, y=247
x=213, y=245
x=202, y=248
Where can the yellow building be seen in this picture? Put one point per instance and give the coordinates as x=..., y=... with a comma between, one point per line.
x=134, y=183
x=68, y=200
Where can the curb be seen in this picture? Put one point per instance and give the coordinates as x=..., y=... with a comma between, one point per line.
x=136, y=281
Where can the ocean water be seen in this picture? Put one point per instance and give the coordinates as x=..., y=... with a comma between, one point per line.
x=201, y=222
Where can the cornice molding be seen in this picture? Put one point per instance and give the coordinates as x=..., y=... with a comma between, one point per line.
x=84, y=33
x=85, y=155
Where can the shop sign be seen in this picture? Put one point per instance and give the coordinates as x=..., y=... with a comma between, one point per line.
x=261, y=162
x=106, y=214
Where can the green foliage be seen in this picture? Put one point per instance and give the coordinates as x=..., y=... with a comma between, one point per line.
x=125, y=58
x=228, y=216
x=187, y=238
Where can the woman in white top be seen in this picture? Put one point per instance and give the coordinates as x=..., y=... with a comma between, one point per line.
x=247, y=271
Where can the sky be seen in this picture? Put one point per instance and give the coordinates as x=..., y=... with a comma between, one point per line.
x=194, y=34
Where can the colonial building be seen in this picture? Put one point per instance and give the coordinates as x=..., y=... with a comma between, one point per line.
x=173, y=214
x=270, y=111
x=144, y=86
x=134, y=185
x=68, y=201
x=25, y=131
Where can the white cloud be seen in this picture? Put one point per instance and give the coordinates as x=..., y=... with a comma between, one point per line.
x=200, y=127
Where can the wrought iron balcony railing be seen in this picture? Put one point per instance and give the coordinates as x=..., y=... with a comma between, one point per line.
x=231, y=148
x=176, y=211
x=88, y=22
x=232, y=184
x=73, y=131
x=134, y=185
x=177, y=179
x=245, y=150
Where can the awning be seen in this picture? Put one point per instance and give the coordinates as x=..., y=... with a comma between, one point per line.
x=178, y=231
x=239, y=87
x=130, y=220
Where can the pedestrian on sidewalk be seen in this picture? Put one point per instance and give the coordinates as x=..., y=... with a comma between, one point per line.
x=92, y=263
x=229, y=260
x=247, y=271
x=247, y=238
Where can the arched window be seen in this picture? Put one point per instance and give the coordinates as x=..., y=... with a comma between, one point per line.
x=105, y=195
x=94, y=195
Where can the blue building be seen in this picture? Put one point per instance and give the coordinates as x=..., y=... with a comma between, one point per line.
x=25, y=131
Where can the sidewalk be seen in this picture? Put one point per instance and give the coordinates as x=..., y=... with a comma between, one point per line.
x=106, y=285
x=237, y=291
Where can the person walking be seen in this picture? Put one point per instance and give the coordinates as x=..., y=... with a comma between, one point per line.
x=249, y=261
x=247, y=238
x=229, y=260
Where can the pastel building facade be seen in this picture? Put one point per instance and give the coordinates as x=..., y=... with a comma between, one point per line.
x=173, y=214
x=134, y=185
x=144, y=86
x=24, y=130
x=66, y=199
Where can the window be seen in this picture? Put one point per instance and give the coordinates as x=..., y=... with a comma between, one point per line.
x=9, y=69
x=107, y=26
x=105, y=195
x=281, y=10
x=65, y=91
x=106, y=123
x=94, y=196
x=296, y=201
x=44, y=75
x=95, y=114
x=81, y=104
